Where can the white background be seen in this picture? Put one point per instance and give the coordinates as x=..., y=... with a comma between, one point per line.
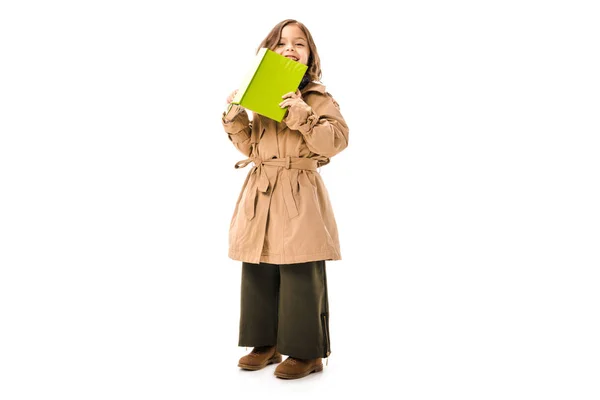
x=467, y=200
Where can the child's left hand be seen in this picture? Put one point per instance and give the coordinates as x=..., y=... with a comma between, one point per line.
x=291, y=99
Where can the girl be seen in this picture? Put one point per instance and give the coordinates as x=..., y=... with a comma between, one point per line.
x=283, y=228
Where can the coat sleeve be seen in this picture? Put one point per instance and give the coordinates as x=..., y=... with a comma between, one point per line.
x=321, y=123
x=239, y=130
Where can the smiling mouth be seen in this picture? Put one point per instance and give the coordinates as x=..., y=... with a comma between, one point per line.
x=292, y=58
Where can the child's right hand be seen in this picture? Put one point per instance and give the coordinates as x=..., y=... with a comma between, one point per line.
x=231, y=96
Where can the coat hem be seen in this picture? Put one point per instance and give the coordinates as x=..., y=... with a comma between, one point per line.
x=278, y=259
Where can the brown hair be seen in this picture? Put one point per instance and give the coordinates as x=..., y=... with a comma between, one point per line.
x=314, y=62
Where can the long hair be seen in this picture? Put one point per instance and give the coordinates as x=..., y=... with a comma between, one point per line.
x=314, y=62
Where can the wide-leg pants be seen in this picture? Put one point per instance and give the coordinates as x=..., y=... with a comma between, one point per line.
x=287, y=306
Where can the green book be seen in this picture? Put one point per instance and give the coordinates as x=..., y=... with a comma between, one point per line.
x=271, y=76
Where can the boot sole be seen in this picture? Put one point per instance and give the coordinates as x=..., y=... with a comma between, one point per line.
x=316, y=368
x=272, y=360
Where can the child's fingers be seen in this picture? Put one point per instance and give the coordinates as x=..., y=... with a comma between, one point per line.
x=231, y=96
x=288, y=102
x=291, y=100
x=289, y=95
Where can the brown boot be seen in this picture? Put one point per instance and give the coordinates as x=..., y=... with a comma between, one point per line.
x=259, y=358
x=294, y=368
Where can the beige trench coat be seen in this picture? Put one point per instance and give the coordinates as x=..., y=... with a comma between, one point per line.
x=283, y=214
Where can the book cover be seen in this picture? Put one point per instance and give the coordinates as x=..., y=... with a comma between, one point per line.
x=271, y=75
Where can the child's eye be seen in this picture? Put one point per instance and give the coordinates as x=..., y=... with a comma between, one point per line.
x=299, y=44
x=279, y=44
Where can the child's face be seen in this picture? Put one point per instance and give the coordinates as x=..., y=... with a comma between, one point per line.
x=293, y=44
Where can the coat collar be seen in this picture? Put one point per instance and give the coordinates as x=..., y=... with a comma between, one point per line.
x=313, y=87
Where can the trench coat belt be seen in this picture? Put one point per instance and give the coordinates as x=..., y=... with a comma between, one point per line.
x=262, y=182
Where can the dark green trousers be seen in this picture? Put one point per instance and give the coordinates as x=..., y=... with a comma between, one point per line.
x=286, y=306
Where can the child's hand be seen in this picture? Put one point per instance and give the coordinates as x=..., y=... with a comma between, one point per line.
x=232, y=109
x=291, y=99
x=231, y=96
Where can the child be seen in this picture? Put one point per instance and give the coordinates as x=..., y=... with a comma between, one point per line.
x=283, y=228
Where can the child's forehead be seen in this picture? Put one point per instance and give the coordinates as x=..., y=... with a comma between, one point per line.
x=292, y=32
